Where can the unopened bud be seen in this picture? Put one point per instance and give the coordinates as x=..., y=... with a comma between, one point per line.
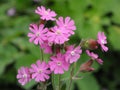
x=86, y=67
x=90, y=44
x=42, y=22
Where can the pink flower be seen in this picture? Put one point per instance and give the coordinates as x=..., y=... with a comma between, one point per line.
x=73, y=54
x=40, y=71
x=57, y=35
x=100, y=61
x=23, y=75
x=94, y=57
x=37, y=34
x=47, y=46
x=102, y=41
x=58, y=64
x=67, y=24
x=46, y=14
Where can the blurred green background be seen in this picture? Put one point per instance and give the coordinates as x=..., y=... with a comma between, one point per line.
x=90, y=17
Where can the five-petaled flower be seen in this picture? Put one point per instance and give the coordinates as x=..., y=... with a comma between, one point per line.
x=57, y=35
x=40, y=71
x=23, y=75
x=58, y=64
x=46, y=14
x=37, y=34
x=67, y=24
x=73, y=54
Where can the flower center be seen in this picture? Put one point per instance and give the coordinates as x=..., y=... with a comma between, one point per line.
x=50, y=43
x=46, y=13
x=72, y=53
x=24, y=75
x=39, y=71
x=59, y=63
x=58, y=32
x=103, y=42
x=37, y=34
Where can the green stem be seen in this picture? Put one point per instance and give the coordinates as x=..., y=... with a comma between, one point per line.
x=53, y=81
x=59, y=82
x=44, y=86
x=42, y=54
x=71, y=75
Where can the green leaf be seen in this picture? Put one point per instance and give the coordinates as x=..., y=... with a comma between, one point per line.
x=25, y=60
x=29, y=85
x=7, y=56
x=88, y=83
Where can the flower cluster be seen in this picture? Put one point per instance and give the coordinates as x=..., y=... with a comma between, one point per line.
x=52, y=40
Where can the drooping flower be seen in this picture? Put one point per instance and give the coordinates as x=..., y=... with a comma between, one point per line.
x=87, y=66
x=67, y=24
x=94, y=57
x=37, y=34
x=23, y=75
x=102, y=41
x=58, y=64
x=100, y=61
x=46, y=14
x=73, y=54
x=57, y=35
x=40, y=71
x=47, y=47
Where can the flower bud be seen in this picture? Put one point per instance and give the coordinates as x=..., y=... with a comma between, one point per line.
x=86, y=67
x=42, y=21
x=90, y=44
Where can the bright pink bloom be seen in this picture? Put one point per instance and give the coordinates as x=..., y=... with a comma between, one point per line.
x=67, y=24
x=23, y=75
x=102, y=41
x=94, y=57
x=40, y=71
x=47, y=46
x=58, y=64
x=72, y=54
x=46, y=14
x=57, y=35
x=37, y=34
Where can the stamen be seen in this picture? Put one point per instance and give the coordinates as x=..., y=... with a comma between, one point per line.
x=59, y=63
x=37, y=34
x=72, y=53
x=58, y=32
